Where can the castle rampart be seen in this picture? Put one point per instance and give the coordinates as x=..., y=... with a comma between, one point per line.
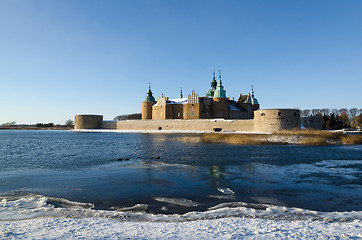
x=265, y=121
x=183, y=125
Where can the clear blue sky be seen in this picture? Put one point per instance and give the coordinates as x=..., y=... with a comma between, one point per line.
x=60, y=58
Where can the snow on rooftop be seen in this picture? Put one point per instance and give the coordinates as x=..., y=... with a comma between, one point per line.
x=177, y=101
x=174, y=101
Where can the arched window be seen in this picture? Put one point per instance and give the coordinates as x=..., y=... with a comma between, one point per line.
x=262, y=114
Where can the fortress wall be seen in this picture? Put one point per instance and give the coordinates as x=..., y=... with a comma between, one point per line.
x=186, y=125
x=109, y=125
x=273, y=120
x=83, y=121
x=266, y=120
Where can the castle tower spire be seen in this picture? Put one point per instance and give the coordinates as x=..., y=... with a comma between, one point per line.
x=149, y=97
x=181, y=96
x=210, y=92
x=220, y=92
x=220, y=83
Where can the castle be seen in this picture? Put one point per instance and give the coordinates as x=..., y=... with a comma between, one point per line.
x=213, y=105
x=214, y=111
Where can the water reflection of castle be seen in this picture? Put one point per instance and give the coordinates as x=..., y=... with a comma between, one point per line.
x=214, y=104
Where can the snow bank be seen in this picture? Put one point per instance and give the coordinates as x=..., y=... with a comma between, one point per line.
x=36, y=218
x=224, y=228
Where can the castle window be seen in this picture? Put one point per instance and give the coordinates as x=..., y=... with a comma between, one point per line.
x=220, y=114
x=161, y=114
x=262, y=114
x=207, y=114
x=146, y=114
x=279, y=113
x=295, y=114
x=193, y=113
x=178, y=114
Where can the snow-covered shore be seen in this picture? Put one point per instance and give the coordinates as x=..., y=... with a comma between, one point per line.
x=34, y=218
x=223, y=228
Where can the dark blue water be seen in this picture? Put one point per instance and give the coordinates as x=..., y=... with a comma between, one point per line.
x=83, y=167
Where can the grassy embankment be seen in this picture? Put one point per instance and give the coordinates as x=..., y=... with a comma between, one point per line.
x=298, y=137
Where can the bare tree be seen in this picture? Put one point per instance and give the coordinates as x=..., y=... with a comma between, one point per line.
x=9, y=124
x=305, y=112
x=315, y=112
x=340, y=111
x=69, y=123
x=353, y=112
x=128, y=116
x=325, y=111
x=334, y=111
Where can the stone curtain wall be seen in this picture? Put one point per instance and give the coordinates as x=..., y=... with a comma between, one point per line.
x=186, y=125
x=265, y=121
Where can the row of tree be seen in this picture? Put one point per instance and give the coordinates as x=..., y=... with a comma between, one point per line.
x=333, y=119
x=69, y=124
x=133, y=116
x=352, y=112
x=334, y=122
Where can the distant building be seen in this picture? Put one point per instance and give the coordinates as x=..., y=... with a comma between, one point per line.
x=215, y=104
x=314, y=122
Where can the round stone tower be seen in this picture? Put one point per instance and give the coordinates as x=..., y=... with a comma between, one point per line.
x=273, y=120
x=88, y=121
x=147, y=105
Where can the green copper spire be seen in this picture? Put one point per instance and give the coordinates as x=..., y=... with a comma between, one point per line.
x=210, y=92
x=219, y=83
x=253, y=100
x=220, y=92
x=149, y=97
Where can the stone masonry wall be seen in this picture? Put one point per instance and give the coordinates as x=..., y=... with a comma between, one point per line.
x=88, y=121
x=187, y=125
x=273, y=120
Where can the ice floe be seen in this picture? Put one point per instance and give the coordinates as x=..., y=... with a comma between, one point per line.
x=178, y=201
x=227, y=191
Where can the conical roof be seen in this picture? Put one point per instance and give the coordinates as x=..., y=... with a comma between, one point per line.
x=149, y=97
x=220, y=92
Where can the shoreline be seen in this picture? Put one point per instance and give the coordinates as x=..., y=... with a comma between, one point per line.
x=290, y=137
